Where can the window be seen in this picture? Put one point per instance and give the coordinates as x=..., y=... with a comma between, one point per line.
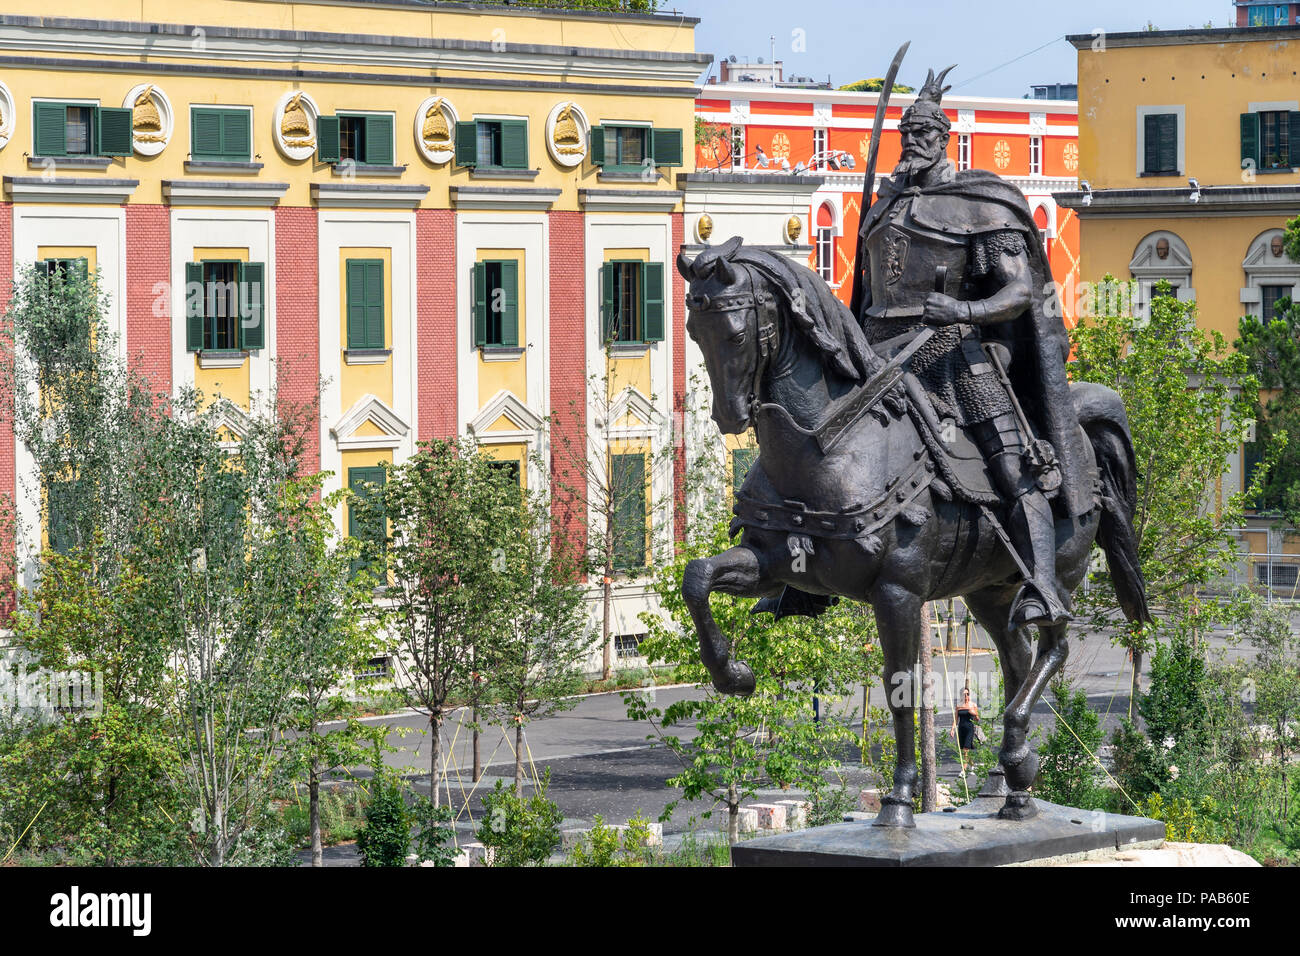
x=963, y=150
x=1268, y=14
x=742, y=459
x=220, y=134
x=508, y=467
x=496, y=303
x=627, y=148
x=627, y=481
x=820, y=136
x=1266, y=138
x=738, y=147
x=61, y=530
x=80, y=129
x=627, y=645
x=53, y=268
x=1035, y=156
x=1269, y=298
x=632, y=301
x=1042, y=241
x=365, y=139
x=825, y=254
x=224, y=301
x=1160, y=144
x=365, y=303
x=365, y=518
x=492, y=144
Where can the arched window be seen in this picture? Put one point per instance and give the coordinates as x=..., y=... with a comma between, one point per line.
x=1270, y=276
x=1042, y=221
x=826, y=243
x=1161, y=255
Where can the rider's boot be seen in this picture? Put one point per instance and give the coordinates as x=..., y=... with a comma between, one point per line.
x=1033, y=531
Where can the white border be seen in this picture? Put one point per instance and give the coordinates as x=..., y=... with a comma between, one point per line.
x=165, y=113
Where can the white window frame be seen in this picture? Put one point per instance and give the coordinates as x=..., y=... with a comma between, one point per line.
x=1035, y=156
x=826, y=248
x=1139, y=160
x=821, y=143
x=737, y=159
x=963, y=151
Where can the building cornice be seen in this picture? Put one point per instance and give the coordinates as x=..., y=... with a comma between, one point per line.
x=1148, y=38
x=206, y=192
x=71, y=189
x=152, y=41
x=1176, y=202
x=369, y=195
x=629, y=200
x=758, y=92
x=516, y=198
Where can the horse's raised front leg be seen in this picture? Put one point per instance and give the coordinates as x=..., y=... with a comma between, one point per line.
x=737, y=571
x=1017, y=756
x=898, y=617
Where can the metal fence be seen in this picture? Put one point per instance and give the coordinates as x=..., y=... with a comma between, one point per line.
x=1274, y=576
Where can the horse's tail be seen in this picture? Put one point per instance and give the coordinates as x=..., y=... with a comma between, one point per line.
x=1104, y=420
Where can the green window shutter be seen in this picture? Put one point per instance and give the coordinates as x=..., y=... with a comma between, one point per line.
x=627, y=481
x=652, y=302
x=205, y=134
x=81, y=266
x=1250, y=140
x=667, y=147
x=466, y=143
x=510, y=293
x=356, y=302
x=373, y=297
x=1151, y=144
x=115, y=138
x=480, y=303
x=607, y=330
x=236, y=136
x=514, y=144
x=1293, y=138
x=742, y=459
x=252, y=305
x=193, y=306
x=51, y=125
x=596, y=146
x=379, y=140
x=328, y=139
x=1168, y=127
x=367, y=484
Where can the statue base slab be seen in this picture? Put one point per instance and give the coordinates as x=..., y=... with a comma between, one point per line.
x=972, y=835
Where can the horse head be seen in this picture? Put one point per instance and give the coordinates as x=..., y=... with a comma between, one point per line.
x=722, y=303
x=746, y=304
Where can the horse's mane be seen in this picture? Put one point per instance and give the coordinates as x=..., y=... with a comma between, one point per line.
x=809, y=304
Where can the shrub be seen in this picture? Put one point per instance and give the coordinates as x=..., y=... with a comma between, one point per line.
x=1068, y=773
x=522, y=831
x=385, y=839
x=1185, y=821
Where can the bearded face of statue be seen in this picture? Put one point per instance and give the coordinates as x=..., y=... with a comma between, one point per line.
x=925, y=143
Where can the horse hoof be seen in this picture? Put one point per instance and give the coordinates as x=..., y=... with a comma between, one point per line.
x=894, y=813
x=736, y=681
x=996, y=784
x=1022, y=773
x=1019, y=806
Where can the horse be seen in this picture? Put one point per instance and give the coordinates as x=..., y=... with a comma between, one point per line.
x=845, y=501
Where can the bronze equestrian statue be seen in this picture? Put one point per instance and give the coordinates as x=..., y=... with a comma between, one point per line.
x=926, y=447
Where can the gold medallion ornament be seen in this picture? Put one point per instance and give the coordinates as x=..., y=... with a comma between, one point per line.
x=295, y=127
x=567, y=137
x=780, y=146
x=146, y=122
x=1002, y=154
x=704, y=227
x=1071, y=156
x=793, y=227
x=864, y=147
x=435, y=133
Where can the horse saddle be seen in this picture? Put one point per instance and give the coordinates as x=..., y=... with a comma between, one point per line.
x=957, y=458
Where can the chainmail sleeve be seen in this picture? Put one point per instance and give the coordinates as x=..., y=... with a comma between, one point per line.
x=986, y=247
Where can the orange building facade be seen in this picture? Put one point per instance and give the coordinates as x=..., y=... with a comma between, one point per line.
x=758, y=128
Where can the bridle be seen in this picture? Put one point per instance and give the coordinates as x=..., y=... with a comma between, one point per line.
x=762, y=306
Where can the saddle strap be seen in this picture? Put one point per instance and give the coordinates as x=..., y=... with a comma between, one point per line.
x=793, y=517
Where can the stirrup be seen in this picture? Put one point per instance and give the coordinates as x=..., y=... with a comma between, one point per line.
x=1034, y=606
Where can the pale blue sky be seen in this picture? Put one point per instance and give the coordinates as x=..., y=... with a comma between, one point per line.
x=856, y=40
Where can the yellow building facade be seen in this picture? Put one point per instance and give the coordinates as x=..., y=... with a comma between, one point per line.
x=1189, y=168
x=441, y=213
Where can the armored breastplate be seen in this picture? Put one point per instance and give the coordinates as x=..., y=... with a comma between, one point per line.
x=904, y=256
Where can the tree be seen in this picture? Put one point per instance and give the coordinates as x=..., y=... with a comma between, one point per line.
x=1069, y=765
x=1175, y=379
x=874, y=85
x=605, y=489
x=330, y=630
x=540, y=635
x=1273, y=352
x=448, y=516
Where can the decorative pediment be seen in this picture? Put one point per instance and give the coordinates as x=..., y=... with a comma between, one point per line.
x=225, y=416
x=370, y=423
x=632, y=415
x=505, y=418
x=1161, y=254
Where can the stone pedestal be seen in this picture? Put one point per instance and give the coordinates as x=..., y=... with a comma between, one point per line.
x=967, y=836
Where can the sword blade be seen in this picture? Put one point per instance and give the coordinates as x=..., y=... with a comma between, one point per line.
x=869, y=180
